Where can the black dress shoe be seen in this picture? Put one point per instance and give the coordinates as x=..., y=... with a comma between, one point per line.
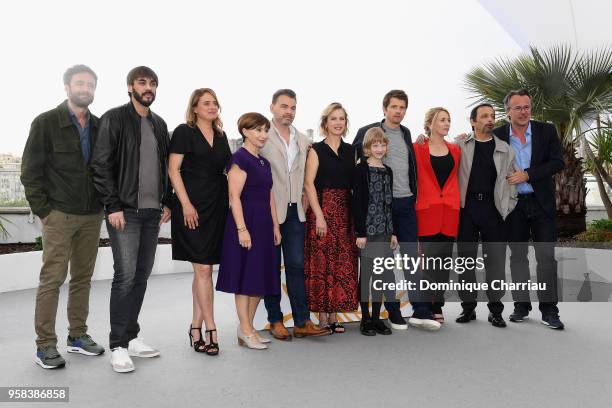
x=367, y=328
x=496, y=320
x=466, y=316
x=381, y=328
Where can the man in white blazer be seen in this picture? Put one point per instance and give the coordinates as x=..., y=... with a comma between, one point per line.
x=286, y=151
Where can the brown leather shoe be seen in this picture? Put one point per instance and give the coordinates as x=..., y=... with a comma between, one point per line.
x=279, y=331
x=310, y=329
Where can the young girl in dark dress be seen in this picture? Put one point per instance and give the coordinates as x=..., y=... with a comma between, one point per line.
x=372, y=212
x=199, y=151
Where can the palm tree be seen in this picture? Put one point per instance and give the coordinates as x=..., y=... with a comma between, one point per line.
x=3, y=231
x=600, y=163
x=567, y=89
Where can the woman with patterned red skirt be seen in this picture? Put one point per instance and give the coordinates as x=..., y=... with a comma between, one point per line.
x=330, y=254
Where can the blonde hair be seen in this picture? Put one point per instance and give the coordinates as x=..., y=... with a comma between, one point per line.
x=190, y=116
x=334, y=106
x=430, y=117
x=373, y=135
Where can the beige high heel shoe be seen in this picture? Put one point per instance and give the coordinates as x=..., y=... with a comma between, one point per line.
x=262, y=339
x=249, y=341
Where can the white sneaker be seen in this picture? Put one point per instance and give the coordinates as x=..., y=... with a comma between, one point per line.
x=121, y=361
x=425, y=324
x=138, y=348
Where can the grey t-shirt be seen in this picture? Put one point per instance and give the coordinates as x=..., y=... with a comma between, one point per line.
x=397, y=159
x=148, y=185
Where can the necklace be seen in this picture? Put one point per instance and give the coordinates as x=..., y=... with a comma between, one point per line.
x=261, y=161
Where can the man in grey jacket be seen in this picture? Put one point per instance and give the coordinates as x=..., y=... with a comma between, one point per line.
x=486, y=199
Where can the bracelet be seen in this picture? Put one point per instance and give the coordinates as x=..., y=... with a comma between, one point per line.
x=241, y=229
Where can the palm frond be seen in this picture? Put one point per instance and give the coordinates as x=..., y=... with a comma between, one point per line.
x=567, y=88
x=3, y=231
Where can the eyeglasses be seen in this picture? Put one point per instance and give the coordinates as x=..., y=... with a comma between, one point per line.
x=525, y=108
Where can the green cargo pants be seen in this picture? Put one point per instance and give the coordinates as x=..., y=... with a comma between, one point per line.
x=67, y=239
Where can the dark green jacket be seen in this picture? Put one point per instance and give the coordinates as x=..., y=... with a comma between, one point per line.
x=52, y=168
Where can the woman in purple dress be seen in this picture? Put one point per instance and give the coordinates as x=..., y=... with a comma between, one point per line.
x=251, y=230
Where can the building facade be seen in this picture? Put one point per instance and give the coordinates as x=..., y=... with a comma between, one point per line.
x=11, y=190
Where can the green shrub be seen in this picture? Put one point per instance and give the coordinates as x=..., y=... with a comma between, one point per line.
x=597, y=231
x=604, y=224
x=38, y=245
x=594, y=236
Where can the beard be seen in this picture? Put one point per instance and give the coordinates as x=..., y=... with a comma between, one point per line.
x=140, y=98
x=82, y=100
x=287, y=120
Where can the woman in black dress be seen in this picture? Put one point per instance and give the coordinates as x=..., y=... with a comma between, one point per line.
x=199, y=151
x=330, y=255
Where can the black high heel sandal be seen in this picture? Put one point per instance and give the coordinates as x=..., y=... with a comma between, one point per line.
x=212, y=348
x=199, y=346
x=336, y=327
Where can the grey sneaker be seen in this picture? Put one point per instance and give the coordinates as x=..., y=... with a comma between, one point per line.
x=84, y=345
x=48, y=357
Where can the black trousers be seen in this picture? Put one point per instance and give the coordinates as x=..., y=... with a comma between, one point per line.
x=370, y=281
x=438, y=246
x=480, y=220
x=529, y=220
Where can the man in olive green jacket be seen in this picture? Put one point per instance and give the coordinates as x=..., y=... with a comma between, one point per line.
x=59, y=187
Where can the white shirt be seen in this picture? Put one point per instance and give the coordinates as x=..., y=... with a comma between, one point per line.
x=292, y=149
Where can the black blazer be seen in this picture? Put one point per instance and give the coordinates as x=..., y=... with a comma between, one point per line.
x=546, y=160
x=361, y=197
x=412, y=176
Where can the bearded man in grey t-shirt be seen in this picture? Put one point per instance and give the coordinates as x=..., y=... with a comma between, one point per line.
x=130, y=173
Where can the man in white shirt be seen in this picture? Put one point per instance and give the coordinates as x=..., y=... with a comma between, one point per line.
x=286, y=151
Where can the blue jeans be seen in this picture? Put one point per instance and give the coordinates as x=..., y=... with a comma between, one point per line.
x=404, y=218
x=292, y=246
x=133, y=254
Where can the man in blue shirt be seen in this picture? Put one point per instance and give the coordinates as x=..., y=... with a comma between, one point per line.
x=521, y=143
x=82, y=126
x=538, y=157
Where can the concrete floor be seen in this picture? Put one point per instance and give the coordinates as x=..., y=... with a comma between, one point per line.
x=473, y=365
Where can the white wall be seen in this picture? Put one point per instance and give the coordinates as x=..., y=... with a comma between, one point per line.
x=21, y=270
x=22, y=227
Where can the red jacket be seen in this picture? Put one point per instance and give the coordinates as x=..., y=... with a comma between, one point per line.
x=437, y=210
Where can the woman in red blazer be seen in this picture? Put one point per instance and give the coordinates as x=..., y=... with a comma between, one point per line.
x=438, y=201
